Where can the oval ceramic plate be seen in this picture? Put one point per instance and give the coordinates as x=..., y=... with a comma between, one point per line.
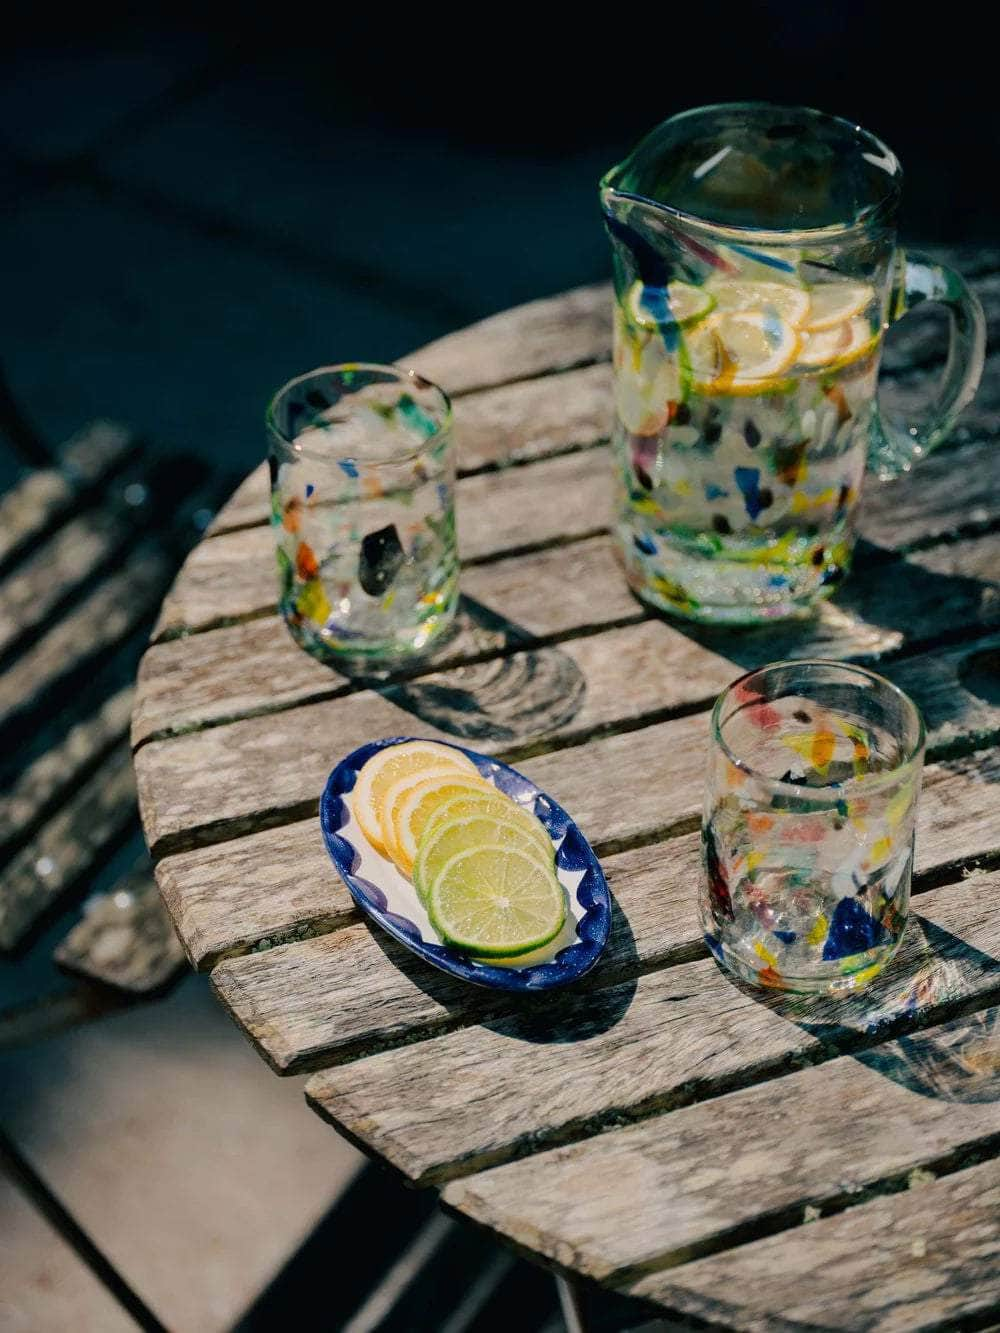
x=389, y=898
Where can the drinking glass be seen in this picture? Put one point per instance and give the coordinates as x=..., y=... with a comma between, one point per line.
x=756, y=270
x=813, y=782
x=362, y=505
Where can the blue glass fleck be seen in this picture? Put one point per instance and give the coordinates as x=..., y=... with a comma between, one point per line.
x=852, y=930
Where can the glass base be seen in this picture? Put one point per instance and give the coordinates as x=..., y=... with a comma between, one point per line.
x=368, y=659
x=838, y=984
x=728, y=592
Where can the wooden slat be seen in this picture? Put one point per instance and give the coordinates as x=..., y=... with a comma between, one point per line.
x=37, y=503
x=657, y=1194
x=58, y=769
x=554, y=334
x=67, y=847
x=928, y=1258
x=530, y=419
x=552, y=1072
x=655, y=888
x=245, y=775
x=255, y=666
x=125, y=939
x=279, y=885
x=99, y=622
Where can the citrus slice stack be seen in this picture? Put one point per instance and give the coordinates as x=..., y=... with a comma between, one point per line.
x=482, y=865
x=387, y=768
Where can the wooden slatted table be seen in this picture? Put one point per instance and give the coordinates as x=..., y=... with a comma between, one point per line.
x=750, y=1160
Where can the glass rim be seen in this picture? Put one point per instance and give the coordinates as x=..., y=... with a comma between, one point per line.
x=770, y=235
x=911, y=756
x=399, y=374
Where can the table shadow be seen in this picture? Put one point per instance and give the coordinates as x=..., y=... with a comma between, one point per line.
x=571, y=1013
x=933, y=977
x=512, y=694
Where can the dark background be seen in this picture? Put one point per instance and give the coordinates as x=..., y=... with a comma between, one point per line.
x=200, y=210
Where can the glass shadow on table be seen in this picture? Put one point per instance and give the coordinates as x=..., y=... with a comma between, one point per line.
x=936, y=981
x=501, y=688
x=551, y=1016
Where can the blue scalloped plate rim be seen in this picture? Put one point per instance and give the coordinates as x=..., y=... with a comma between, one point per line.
x=575, y=854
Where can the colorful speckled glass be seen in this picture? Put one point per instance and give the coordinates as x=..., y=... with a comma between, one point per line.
x=362, y=505
x=813, y=782
x=755, y=271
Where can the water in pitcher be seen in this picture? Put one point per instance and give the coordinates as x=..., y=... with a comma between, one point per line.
x=743, y=413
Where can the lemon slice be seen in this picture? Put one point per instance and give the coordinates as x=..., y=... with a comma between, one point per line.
x=397, y=795
x=386, y=767
x=832, y=303
x=411, y=807
x=844, y=342
x=741, y=352
x=685, y=302
x=790, y=304
x=496, y=902
x=495, y=804
x=490, y=828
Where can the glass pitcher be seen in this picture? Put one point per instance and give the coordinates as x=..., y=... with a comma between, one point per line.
x=756, y=270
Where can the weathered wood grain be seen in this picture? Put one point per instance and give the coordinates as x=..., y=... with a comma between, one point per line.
x=58, y=769
x=66, y=847
x=103, y=619
x=549, y=1073
x=515, y=423
x=36, y=504
x=949, y=492
x=229, y=780
x=253, y=893
x=125, y=939
x=278, y=885
x=554, y=334
x=927, y=1258
x=658, y=1194
x=656, y=888
x=255, y=666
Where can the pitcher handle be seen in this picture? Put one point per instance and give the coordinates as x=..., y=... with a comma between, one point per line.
x=897, y=445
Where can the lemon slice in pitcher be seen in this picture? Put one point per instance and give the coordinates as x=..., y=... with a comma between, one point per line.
x=789, y=304
x=742, y=352
x=495, y=902
x=837, y=346
x=832, y=303
x=686, y=303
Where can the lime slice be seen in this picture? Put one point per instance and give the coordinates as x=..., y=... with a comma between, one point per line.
x=832, y=303
x=686, y=304
x=789, y=304
x=498, y=806
x=741, y=352
x=480, y=830
x=495, y=902
x=837, y=346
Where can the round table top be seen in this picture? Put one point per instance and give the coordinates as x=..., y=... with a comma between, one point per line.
x=654, y=1127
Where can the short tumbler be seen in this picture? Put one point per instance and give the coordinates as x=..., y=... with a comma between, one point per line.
x=362, y=502
x=814, y=776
